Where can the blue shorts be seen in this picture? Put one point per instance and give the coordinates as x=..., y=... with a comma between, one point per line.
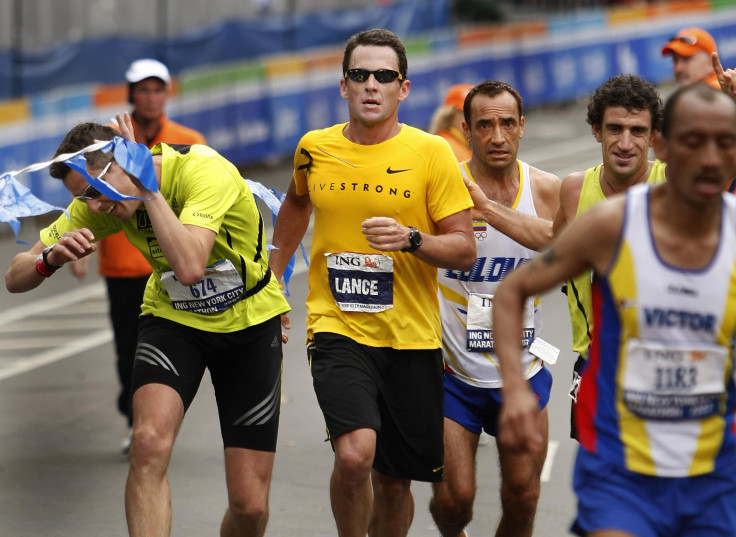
x=477, y=409
x=610, y=497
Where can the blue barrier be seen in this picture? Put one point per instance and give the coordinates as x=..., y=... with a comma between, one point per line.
x=90, y=60
x=264, y=119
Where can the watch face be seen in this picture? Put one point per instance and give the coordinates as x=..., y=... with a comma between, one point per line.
x=415, y=238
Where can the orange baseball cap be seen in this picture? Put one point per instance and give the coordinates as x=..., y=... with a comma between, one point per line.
x=456, y=95
x=688, y=41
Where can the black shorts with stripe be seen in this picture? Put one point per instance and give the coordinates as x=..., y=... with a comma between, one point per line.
x=245, y=368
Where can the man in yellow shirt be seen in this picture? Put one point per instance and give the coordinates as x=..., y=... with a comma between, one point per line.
x=211, y=303
x=124, y=268
x=390, y=207
x=625, y=114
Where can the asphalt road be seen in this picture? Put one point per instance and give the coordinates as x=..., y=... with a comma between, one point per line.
x=61, y=471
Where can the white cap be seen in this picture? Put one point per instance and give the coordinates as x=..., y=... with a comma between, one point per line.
x=147, y=68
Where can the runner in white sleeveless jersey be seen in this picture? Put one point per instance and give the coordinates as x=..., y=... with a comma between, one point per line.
x=657, y=452
x=514, y=207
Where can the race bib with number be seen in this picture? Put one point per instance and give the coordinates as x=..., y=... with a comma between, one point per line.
x=219, y=289
x=361, y=282
x=668, y=382
x=480, y=323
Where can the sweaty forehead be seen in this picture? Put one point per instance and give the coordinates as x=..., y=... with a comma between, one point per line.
x=500, y=105
x=621, y=116
x=374, y=57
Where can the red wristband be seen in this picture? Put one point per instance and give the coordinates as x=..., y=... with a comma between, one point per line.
x=42, y=268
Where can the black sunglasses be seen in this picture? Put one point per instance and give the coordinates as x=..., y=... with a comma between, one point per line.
x=684, y=39
x=383, y=76
x=90, y=192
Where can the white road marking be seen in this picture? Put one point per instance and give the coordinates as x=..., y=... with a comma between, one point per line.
x=55, y=323
x=55, y=311
x=52, y=302
x=71, y=348
x=549, y=461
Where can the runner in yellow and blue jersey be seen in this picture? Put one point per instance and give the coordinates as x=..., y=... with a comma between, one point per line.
x=657, y=453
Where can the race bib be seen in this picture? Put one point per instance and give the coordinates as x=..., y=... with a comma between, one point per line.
x=219, y=289
x=361, y=282
x=480, y=323
x=669, y=382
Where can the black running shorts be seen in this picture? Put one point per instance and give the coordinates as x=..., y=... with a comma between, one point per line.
x=399, y=393
x=245, y=367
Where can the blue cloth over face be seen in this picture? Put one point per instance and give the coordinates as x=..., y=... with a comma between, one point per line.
x=134, y=158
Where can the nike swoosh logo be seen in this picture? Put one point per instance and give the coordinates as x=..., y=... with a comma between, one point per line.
x=389, y=170
x=435, y=470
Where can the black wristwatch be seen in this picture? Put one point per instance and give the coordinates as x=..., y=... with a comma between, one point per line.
x=45, y=257
x=415, y=240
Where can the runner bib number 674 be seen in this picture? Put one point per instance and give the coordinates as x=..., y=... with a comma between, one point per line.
x=219, y=289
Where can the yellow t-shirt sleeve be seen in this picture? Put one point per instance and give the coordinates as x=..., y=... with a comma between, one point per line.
x=446, y=192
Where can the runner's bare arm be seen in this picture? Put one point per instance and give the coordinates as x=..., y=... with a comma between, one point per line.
x=453, y=247
x=534, y=232
x=22, y=275
x=291, y=225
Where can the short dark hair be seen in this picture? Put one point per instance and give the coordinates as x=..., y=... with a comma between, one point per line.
x=378, y=37
x=701, y=91
x=628, y=91
x=81, y=136
x=491, y=88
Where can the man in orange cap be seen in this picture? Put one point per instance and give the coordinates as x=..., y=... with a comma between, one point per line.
x=447, y=121
x=695, y=59
x=692, y=50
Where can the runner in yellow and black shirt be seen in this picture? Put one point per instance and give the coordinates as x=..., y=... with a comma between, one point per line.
x=390, y=207
x=624, y=113
x=211, y=303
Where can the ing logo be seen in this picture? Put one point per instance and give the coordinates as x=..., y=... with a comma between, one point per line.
x=697, y=356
